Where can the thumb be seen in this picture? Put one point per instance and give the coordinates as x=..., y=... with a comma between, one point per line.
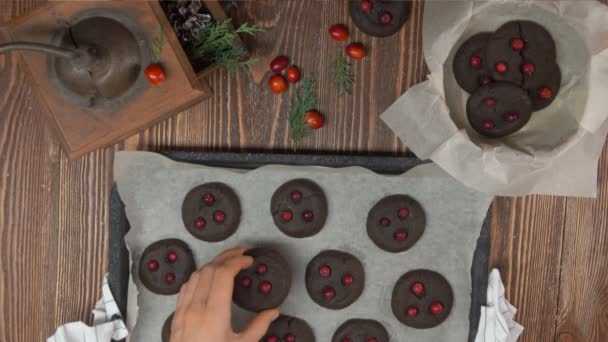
x=258, y=326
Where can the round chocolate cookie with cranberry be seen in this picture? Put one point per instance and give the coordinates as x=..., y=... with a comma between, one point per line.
x=289, y=329
x=422, y=299
x=265, y=284
x=470, y=65
x=361, y=330
x=334, y=279
x=165, y=266
x=379, y=18
x=166, y=331
x=543, y=95
x=299, y=208
x=499, y=109
x=211, y=212
x=396, y=223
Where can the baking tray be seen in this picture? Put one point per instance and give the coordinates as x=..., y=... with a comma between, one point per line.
x=118, y=277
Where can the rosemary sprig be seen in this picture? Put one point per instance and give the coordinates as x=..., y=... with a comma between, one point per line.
x=157, y=46
x=215, y=44
x=304, y=100
x=343, y=77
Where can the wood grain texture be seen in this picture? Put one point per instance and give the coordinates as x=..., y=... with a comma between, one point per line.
x=54, y=214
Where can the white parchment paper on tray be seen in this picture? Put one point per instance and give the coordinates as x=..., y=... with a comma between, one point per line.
x=558, y=150
x=153, y=187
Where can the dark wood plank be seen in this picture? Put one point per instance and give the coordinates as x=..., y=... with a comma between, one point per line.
x=584, y=281
x=526, y=247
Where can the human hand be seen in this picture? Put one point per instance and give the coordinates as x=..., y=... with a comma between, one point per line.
x=203, y=311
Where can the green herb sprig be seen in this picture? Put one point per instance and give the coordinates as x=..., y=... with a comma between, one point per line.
x=343, y=77
x=215, y=44
x=157, y=46
x=303, y=101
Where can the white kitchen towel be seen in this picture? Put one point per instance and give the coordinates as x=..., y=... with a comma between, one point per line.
x=107, y=323
x=496, y=322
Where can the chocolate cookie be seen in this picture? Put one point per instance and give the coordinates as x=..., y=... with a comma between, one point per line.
x=165, y=265
x=361, y=330
x=379, y=18
x=521, y=52
x=422, y=299
x=395, y=223
x=299, y=208
x=265, y=284
x=211, y=212
x=470, y=65
x=499, y=109
x=334, y=279
x=289, y=329
x=166, y=332
x=543, y=95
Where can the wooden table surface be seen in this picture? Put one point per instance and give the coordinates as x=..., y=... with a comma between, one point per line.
x=552, y=251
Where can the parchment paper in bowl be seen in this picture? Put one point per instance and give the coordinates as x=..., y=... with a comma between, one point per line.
x=152, y=188
x=557, y=152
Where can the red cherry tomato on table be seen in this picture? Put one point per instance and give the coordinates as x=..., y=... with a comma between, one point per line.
x=293, y=74
x=355, y=50
x=155, y=73
x=279, y=63
x=338, y=32
x=313, y=119
x=277, y=84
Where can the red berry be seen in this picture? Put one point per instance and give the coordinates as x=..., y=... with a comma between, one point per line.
x=325, y=271
x=517, y=44
x=412, y=311
x=545, y=93
x=200, y=223
x=436, y=308
x=208, y=199
x=293, y=74
x=501, y=67
x=371, y=339
x=295, y=196
x=329, y=293
x=172, y=257
x=400, y=235
x=488, y=124
x=490, y=102
x=528, y=68
x=385, y=222
x=511, y=117
x=246, y=282
x=338, y=32
x=170, y=277
x=307, y=215
x=277, y=84
x=313, y=119
x=475, y=62
x=386, y=18
x=290, y=337
x=366, y=6
x=261, y=269
x=485, y=80
x=265, y=287
x=152, y=265
x=279, y=63
x=155, y=73
x=355, y=50
x=403, y=213
x=219, y=216
x=272, y=338
x=287, y=215
x=417, y=288
x=347, y=280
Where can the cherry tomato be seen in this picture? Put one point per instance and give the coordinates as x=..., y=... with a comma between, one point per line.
x=338, y=32
x=277, y=84
x=313, y=119
x=366, y=6
x=155, y=73
x=293, y=74
x=279, y=63
x=355, y=50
